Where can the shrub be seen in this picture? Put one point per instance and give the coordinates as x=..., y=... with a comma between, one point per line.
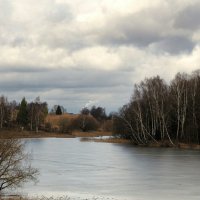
x=84, y=123
x=64, y=125
x=48, y=127
x=107, y=125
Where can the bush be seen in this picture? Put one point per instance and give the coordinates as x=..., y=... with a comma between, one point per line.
x=107, y=125
x=48, y=127
x=64, y=125
x=84, y=123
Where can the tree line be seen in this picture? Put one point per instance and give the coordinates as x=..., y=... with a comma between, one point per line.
x=24, y=115
x=32, y=116
x=89, y=119
x=164, y=112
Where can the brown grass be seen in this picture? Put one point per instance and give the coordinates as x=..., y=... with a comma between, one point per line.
x=91, y=134
x=55, y=119
x=8, y=134
x=114, y=140
x=16, y=197
x=189, y=146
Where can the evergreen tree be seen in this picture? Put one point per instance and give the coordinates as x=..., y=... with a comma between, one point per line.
x=58, y=110
x=22, y=116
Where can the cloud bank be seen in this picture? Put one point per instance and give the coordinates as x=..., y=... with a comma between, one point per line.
x=77, y=52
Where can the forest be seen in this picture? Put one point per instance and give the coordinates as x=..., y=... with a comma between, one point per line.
x=162, y=112
x=22, y=115
x=158, y=111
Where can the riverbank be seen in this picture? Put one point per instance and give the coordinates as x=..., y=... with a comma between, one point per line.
x=48, y=198
x=93, y=136
x=106, y=140
x=150, y=145
x=17, y=197
x=14, y=134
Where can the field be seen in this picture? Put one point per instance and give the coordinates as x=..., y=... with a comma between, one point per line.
x=54, y=119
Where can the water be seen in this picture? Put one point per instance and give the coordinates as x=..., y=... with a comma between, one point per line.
x=113, y=171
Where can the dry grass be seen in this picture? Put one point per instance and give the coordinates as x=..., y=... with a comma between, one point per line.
x=91, y=134
x=189, y=146
x=52, y=198
x=15, y=197
x=8, y=134
x=86, y=136
x=113, y=140
x=55, y=119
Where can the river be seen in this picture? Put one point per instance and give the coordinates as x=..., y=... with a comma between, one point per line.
x=112, y=171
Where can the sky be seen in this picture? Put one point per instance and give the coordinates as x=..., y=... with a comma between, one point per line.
x=92, y=52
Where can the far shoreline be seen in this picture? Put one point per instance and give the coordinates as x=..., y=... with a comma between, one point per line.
x=89, y=137
x=16, y=134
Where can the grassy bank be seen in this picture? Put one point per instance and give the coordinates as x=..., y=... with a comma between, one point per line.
x=16, y=197
x=8, y=134
x=151, y=145
x=91, y=133
x=107, y=140
x=88, y=136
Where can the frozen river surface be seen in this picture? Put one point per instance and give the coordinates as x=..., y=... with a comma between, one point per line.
x=113, y=171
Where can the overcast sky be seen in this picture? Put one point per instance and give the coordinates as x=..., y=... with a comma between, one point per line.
x=79, y=53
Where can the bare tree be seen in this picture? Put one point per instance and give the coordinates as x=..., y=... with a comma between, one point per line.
x=3, y=104
x=37, y=111
x=147, y=115
x=179, y=89
x=15, y=167
x=13, y=112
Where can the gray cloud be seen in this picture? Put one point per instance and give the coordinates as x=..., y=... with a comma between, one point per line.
x=147, y=28
x=133, y=29
x=174, y=45
x=189, y=17
x=95, y=51
x=69, y=87
x=62, y=79
x=22, y=69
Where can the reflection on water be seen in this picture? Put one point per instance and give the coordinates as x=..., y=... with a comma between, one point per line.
x=113, y=171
